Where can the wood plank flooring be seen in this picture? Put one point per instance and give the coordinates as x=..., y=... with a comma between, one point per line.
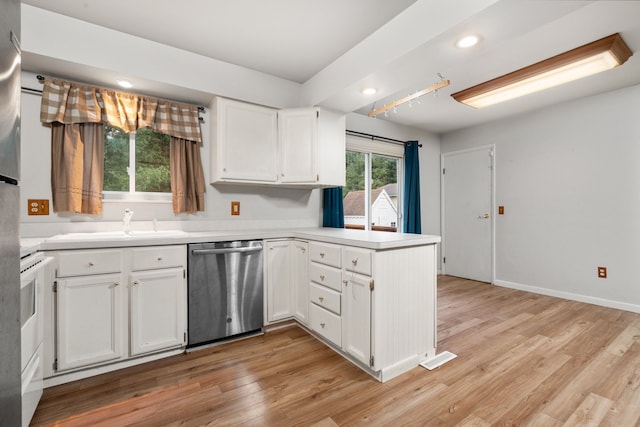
x=523, y=360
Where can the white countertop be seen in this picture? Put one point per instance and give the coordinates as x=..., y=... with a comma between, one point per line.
x=378, y=240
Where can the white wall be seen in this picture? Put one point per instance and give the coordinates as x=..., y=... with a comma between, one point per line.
x=429, y=162
x=260, y=206
x=568, y=177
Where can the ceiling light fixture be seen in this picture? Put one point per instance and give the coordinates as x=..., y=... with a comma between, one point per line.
x=125, y=83
x=583, y=61
x=369, y=91
x=467, y=41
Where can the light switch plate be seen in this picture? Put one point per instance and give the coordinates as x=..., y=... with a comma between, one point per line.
x=235, y=208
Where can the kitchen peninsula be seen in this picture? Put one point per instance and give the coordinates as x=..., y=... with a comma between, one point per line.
x=370, y=296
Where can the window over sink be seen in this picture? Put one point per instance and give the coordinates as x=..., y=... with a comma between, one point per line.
x=136, y=163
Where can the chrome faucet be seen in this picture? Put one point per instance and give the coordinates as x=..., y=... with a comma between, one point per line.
x=128, y=213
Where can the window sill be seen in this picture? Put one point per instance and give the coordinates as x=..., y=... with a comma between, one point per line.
x=121, y=197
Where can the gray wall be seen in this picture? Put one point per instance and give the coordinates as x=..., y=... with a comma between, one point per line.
x=568, y=176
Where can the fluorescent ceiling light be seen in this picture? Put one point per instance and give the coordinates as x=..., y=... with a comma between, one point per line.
x=575, y=64
x=369, y=91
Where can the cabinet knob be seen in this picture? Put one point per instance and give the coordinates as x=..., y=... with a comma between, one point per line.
x=91, y=264
x=321, y=299
x=116, y=284
x=346, y=282
x=322, y=277
x=224, y=169
x=322, y=325
x=159, y=258
x=321, y=254
x=135, y=282
x=354, y=261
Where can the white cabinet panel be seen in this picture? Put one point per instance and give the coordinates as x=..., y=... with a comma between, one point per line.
x=90, y=316
x=326, y=276
x=356, y=297
x=357, y=260
x=325, y=298
x=158, y=315
x=300, y=268
x=158, y=257
x=325, y=253
x=279, y=288
x=82, y=263
x=244, y=142
x=325, y=323
x=298, y=138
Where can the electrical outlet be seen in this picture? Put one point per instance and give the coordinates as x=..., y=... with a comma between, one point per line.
x=602, y=272
x=235, y=208
x=38, y=207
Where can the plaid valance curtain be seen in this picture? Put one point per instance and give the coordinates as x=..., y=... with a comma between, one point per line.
x=67, y=103
x=77, y=115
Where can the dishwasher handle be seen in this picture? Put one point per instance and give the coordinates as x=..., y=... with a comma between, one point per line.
x=248, y=249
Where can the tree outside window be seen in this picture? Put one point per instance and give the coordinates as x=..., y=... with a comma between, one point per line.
x=145, y=152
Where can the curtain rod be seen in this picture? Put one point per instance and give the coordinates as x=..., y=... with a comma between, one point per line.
x=378, y=138
x=41, y=80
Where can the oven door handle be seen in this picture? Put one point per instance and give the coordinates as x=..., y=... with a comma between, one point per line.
x=226, y=250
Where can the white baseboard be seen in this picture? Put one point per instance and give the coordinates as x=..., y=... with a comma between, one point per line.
x=567, y=295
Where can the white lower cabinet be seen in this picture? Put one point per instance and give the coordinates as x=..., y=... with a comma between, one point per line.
x=134, y=304
x=287, y=280
x=356, y=325
x=158, y=310
x=90, y=314
x=300, y=277
x=279, y=278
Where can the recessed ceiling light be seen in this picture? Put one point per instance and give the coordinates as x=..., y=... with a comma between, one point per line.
x=467, y=41
x=125, y=83
x=369, y=91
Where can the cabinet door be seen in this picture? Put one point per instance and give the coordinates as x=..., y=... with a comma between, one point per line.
x=158, y=310
x=246, y=139
x=301, y=281
x=356, y=316
x=89, y=320
x=298, y=136
x=279, y=290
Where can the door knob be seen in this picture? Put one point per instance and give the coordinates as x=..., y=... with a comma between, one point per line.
x=485, y=216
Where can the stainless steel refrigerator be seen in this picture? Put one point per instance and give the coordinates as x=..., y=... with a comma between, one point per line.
x=10, y=366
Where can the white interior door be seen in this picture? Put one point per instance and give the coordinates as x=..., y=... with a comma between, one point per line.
x=467, y=214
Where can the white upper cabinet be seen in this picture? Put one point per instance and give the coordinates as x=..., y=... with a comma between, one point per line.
x=300, y=147
x=312, y=147
x=244, y=142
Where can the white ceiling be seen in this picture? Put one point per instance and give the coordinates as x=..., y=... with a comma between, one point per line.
x=334, y=48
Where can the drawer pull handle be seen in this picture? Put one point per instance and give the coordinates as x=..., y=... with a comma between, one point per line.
x=116, y=284
x=159, y=258
x=322, y=277
x=322, y=325
x=91, y=264
x=321, y=299
x=135, y=282
x=346, y=282
x=321, y=254
x=354, y=261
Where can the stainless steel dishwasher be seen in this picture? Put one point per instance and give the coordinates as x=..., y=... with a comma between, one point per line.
x=225, y=290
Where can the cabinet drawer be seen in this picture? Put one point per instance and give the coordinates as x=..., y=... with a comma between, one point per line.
x=83, y=263
x=326, y=324
x=326, y=276
x=325, y=297
x=156, y=257
x=325, y=253
x=357, y=260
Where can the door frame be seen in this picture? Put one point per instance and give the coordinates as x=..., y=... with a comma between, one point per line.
x=443, y=157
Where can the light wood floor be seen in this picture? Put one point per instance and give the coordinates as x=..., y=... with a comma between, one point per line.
x=523, y=359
